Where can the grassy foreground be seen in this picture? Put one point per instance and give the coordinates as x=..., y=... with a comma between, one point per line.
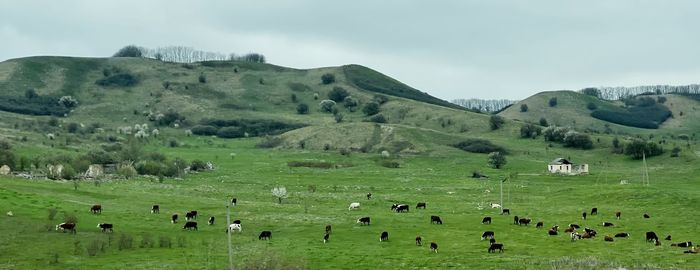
x=440, y=179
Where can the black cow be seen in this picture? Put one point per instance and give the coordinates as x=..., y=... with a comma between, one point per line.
x=554, y=230
x=369, y=196
x=190, y=225
x=684, y=244
x=487, y=234
x=237, y=221
x=419, y=241
x=173, y=218
x=608, y=238
x=575, y=226
x=505, y=211
x=584, y=215
x=646, y=215
x=618, y=214
x=265, y=235
x=155, y=209
x=539, y=225
x=96, y=209
x=515, y=220
x=328, y=229
x=384, y=237
x=668, y=237
x=492, y=241
x=326, y=237
x=191, y=215
x=433, y=247
x=608, y=224
x=402, y=208
x=486, y=220
x=651, y=236
x=495, y=247
x=594, y=211
x=211, y=221
x=105, y=227
x=234, y=201
x=524, y=221
x=394, y=206
x=66, y=227
x=435, y=219
x=420, y=205
x=363, y=221
x=622, y=235
x=590, y=231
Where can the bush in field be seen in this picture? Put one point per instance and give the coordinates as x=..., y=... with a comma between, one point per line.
x=591, y=92
x=577, y=140
x=198, y=165
x=68, y=172
x=327, y=78
x=230, y=132
x=351, y=103
x=530, y=131
x=371, y=108
x=338, y=94
x=68, y=101
x=555, y=134
x=591, y=106
x=150, y=167
x=496, y=122
x=377, y=118
x=638, y=148
x=496, y=160
x=302, y=108
x=380, y=99
x=327, y=105
x=479, y=146
x=279, y=193
x=543, y=122
x=523, y=108
x=675, y=152
x=202, y=78
x=126, y=171
x=553, y=102
x=118, y=80
x=205, y=130
x=129, y=51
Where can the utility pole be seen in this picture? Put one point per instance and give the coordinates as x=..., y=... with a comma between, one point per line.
x=502, y=180
x=228, y=229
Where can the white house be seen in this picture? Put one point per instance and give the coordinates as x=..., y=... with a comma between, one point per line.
x=564, y=166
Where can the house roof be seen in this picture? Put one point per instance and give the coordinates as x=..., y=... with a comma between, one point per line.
x=560, y=161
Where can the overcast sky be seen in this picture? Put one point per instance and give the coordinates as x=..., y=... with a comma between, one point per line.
x=450, y=49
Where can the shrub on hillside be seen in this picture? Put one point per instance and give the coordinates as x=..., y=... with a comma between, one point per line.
x=118, y=80
x=68, y=102
x=496, y=160
x=377, y=118
x=638, y=148
x=350, y=103
x=594, y=92
x=675, y=152
x=661, y=99
x=393, y=164
x=230, y=132
x=204, y=130
x=380, y=99
x=591, y=106
x=479, y=146
x=310, y=164
x=371, y=108
x=202, y=78
x=270, y=142
x=39, y=105
x=30, y=93
x=7, y=157
x=149, y=167
x=543, y=122
x=338, y=94
x=577, y=140
x=126, y=171
x=302, y=108
x=169, y=118
x=555, y=134
x=327, y=105
x=496, y=122
x=648, y=116
x=68, y=172
x=553, y=102
x=129, y=51
x=198, y=165
x=523, y=108
x=530, y=131
x=327, y=78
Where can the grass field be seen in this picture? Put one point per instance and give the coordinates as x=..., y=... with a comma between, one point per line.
x=440, y=178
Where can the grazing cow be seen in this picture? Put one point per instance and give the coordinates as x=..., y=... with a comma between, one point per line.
x=608, y=224
x=326, y=237
x=173, y=218
x=554, y=230
x=583, y=215
x=394, y=206
x=495, y=205
x=435, y=219
x=190, y=225
x=66, y=227
x=265, y=235
x=587, y=235
x=539, y=225
x=363, y=221
x=384, y=237
x=191, y=215
x=234, y=227
x=105, y=227
x=433, y=247
x=515, y=220
x=155, y=209
x=646, y=215
x=622, y=235
x=524, y=221
x=234, y=201
x=420, y=205
x=684, y=244
x=492, y=241
x=495, y=247
x=575, y=236
x=575, y=226
x=402, y=208
x=618, y=214
x=651, y=236
x=608, y=238
x=594, y=211
x=328, y=229
x=96, y=209
x=486, y=220
x=210, y=221
x=488, y=234
x=570, y=230
x=355, y=205
x=590, y=231
x=419, y=241
x=505, y=211
x=369, y=196
x=668, y=237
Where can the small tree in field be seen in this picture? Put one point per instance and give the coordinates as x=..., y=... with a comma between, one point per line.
x=328, y=78
x=496, y=160
x=496, y=122
x=523, y=108
x=280, y=193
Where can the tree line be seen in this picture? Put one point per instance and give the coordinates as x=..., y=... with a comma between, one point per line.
x=183, y=54
x=621, y=92
x=484, y=105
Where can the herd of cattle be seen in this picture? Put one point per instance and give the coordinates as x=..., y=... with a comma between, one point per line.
x=572, y=229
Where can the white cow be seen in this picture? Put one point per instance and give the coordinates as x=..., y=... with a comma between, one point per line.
x=354, y=205
x=235, y=227
x=495, y=205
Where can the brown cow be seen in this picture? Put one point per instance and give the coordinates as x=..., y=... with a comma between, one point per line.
x=96, y=209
